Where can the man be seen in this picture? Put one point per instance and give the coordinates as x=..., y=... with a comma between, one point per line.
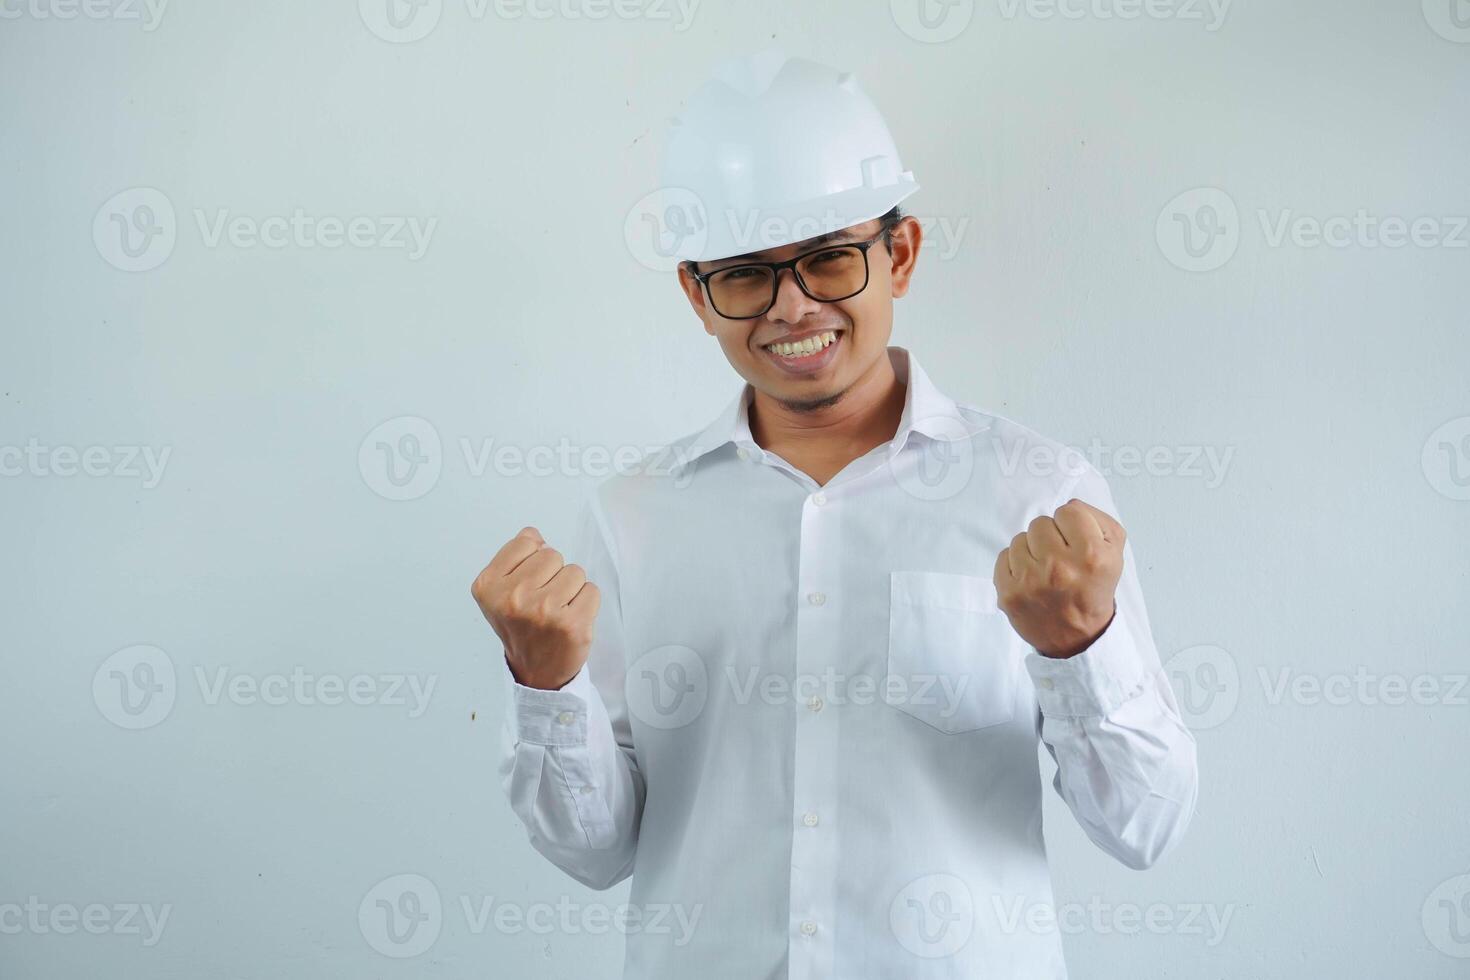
x=794, y=683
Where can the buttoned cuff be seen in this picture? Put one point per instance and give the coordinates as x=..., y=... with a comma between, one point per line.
x=557, y=717
x=1096, y=681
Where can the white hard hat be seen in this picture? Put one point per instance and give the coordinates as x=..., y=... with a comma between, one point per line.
x=773, y=150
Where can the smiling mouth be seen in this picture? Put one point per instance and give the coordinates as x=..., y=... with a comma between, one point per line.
x=807, y=347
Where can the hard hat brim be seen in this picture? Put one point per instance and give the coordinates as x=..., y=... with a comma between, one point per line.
x=756, y=230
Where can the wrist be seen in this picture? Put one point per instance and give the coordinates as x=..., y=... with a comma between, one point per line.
x=1072, y=650
x=539, y=680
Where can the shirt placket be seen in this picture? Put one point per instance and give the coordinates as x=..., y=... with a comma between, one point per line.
x=814, y=819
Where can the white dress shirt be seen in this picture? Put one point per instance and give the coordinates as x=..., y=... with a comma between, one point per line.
x=808, y=733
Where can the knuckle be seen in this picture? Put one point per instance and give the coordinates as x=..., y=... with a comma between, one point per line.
x=484, y=591
x=1058, y=575
x=516, y=602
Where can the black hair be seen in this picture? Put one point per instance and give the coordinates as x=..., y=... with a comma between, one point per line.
x=892, y=217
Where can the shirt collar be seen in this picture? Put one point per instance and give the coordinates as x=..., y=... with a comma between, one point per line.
x=926, y=410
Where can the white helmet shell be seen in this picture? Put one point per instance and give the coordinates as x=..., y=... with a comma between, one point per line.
x=773, y=150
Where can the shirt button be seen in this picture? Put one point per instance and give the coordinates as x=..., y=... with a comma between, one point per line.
x=743, y=453
x=1048, y=683
x=816, y=598
x=819, y=498
x=586, y=790
x=810, y=819
x=809, y=928
x=565, y=717
x=815, y=703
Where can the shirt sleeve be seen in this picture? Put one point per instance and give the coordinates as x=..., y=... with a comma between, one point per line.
x=1126, y=762
x=568, y=764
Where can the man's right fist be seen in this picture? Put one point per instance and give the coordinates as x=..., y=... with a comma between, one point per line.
x=542, y=610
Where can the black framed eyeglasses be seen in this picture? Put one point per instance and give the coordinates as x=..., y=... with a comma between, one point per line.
x=826, y=274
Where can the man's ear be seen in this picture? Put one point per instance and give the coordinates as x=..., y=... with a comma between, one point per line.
x=907, y=239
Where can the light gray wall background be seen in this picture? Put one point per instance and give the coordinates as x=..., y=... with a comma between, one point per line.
x=1307, y=586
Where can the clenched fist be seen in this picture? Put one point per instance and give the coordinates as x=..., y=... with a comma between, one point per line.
x=1056, y=581
x=542, y=610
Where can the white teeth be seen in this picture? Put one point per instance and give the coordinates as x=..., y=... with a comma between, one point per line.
x=802, y=348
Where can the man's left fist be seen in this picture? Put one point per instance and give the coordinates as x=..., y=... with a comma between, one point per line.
x=1057, y=579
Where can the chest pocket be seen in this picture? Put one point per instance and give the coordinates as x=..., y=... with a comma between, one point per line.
x=953, y=659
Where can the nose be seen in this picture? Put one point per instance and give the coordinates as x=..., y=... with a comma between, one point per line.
x=791, y=303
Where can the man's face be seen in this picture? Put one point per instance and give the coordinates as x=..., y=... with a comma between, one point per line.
x=850, y=334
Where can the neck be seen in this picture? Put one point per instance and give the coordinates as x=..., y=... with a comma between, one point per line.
x=822, y=437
